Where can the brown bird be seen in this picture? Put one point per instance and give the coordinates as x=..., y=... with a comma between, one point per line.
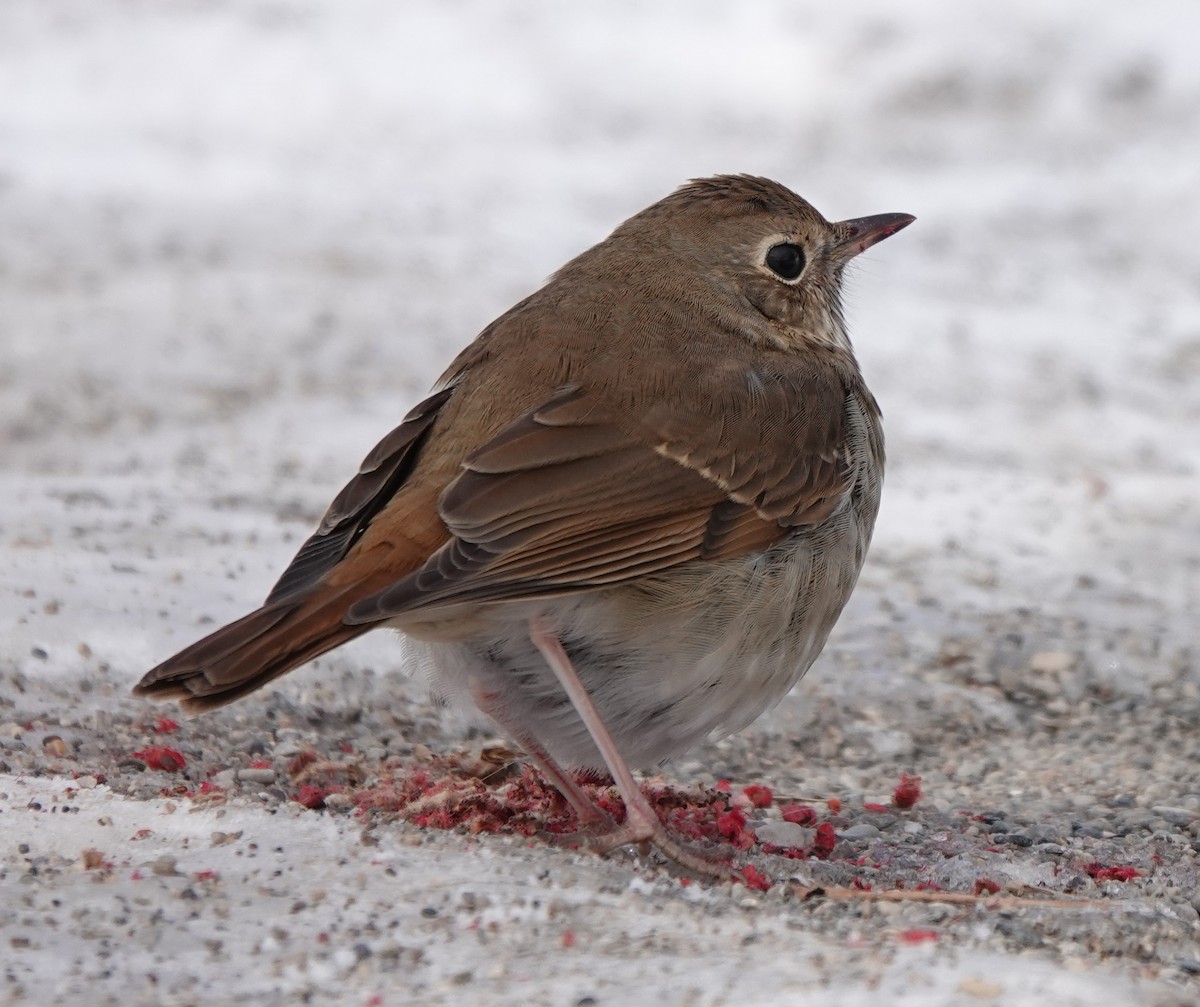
x=629, y=515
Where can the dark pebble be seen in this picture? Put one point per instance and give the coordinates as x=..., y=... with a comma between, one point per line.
x=1043, y=833
x=1136, y=819
x=1019, y=932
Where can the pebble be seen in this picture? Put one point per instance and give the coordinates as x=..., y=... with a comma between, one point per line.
x=863, y=830
x=1175, y=816
x=787, y=834
x=1088, y=829
x=1186, y=912
x=226, y=778
x=164, y=866
x=1051, y=662
x=980, y=989
x=1044, y=833
x=256, y=775
x=1137, y=818
x=54, y=746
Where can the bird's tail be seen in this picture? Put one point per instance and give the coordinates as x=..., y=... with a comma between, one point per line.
x=249, y=653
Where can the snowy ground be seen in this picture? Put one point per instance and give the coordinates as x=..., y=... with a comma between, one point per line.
x=237, y=241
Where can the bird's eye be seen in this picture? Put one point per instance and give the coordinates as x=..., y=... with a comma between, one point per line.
x=786, y=260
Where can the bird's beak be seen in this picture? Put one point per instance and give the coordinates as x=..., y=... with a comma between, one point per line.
x=857, y=235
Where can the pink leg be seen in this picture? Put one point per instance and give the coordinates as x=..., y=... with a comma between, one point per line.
x=589, y=815
x=641, y=824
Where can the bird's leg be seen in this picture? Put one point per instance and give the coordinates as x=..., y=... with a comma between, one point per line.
x=590, y=816
x=641, y=825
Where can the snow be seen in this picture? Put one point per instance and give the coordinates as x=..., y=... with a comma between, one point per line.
x=239, y=239
x=190, y=890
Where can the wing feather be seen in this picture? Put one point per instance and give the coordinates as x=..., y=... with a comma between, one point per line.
x=379, y=476
x=573, y=496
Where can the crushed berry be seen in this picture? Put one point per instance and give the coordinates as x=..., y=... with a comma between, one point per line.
x=754, y=879
x=907, y=792
x=731, y=824
x=759, y=796
x=1103, y=872
x=825, y=842
x=312, y=796
x=798, y=814
x=168, y=760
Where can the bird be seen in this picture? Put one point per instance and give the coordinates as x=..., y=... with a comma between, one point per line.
x=627, y=516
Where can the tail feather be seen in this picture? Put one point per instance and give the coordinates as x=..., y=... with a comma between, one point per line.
x=249, y=653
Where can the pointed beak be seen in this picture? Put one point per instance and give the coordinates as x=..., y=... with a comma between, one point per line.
x=861, y=233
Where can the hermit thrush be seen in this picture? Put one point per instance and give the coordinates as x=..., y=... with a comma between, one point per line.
x=631, y=511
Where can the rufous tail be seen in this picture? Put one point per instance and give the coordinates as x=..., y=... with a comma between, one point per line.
x=249, y=653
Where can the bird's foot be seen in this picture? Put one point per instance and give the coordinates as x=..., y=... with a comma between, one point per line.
x=604, y=836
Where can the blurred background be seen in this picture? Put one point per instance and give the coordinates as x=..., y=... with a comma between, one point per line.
x=239, y=239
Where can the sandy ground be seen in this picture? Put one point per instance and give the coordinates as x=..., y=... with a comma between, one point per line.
x=238, y=240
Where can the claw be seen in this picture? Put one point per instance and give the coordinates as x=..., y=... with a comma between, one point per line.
x=604, y=839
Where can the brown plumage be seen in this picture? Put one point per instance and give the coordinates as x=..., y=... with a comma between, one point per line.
x=649, y=486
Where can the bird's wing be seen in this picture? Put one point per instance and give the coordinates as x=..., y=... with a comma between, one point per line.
x=576, y=494
x=382, y=472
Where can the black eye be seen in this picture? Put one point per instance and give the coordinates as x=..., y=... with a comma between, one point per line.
x=786, y=261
